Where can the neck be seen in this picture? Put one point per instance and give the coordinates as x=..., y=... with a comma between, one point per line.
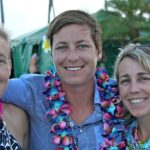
x=82, y=95
x=144, y=129
x=81, y=99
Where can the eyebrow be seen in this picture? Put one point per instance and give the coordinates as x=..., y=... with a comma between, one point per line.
x=64, y=43
x=139, y=74
x=143, y=73
x=80, y=41
x=59, y=43
x=124, y=76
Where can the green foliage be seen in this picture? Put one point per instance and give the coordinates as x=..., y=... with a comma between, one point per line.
x=125, y=20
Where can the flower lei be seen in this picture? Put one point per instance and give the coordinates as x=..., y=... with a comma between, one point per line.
x=59, y=111
x=133, y=141
x=1, y=109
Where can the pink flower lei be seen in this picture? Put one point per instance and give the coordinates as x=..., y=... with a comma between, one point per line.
x=1, y=109
x=59, y=110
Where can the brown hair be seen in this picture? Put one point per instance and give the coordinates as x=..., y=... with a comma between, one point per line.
x=76, y=17
x=4, y=35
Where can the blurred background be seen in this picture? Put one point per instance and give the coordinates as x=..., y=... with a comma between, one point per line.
x=122, y=22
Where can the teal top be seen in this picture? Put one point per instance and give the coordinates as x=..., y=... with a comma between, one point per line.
x=133, y=141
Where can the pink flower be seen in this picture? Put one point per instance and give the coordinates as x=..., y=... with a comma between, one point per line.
x=107, y=116
x=62, y=124
x=105, y=104
x=56, y=139
x=66, y=141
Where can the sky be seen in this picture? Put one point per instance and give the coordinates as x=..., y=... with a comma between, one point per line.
x=23, y=16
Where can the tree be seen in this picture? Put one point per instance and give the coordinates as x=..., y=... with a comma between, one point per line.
x=125, y=20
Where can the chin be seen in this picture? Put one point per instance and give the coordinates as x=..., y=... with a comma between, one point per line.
x=137, y=114
x=74, y=82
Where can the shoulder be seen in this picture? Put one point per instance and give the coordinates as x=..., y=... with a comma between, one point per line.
x=28, y=77
x=27, y=80
x=14, y=111
x=17, y=122
x=14, y=116
x=31, y=77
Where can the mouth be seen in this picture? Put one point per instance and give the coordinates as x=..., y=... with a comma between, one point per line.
x=137, y=100
x=73, y=68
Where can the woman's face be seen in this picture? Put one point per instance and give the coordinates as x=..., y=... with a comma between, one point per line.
x=75, y=55
x=134, y=87
x=5, y=65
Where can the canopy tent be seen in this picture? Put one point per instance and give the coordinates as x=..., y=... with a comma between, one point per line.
x=22, y=49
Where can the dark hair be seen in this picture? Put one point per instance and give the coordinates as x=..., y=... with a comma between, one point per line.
x=76, y=17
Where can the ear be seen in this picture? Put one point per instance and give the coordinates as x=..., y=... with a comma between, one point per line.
x=99, y=55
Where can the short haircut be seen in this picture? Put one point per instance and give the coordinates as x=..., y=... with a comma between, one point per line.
x=76, y=17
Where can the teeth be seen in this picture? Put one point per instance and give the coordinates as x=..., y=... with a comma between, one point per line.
x=74, y=69
x=134, y=101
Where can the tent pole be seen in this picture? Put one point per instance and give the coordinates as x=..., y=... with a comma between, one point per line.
x=2, y=11
x=50, y=7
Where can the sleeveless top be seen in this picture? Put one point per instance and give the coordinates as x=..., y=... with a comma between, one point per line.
x=7, y=141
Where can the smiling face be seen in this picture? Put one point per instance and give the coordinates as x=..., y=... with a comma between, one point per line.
x=134, y=87
x=5, y=64
x=75, y=55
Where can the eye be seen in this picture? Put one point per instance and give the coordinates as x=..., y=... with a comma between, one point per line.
x=83, y=46
x=144, y=78
x=61, y=48
x=124, y=81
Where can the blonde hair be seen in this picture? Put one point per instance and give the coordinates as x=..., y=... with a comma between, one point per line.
x=138, y=52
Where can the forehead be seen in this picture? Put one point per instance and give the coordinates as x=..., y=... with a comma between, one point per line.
x=130, y=66
x=75, y=27
x=72, y=31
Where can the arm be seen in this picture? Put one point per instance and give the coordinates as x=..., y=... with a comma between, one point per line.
x=24, y=91
x=17, y=123
x=16, y=92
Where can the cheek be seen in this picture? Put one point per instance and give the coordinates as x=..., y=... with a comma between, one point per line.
x=3, y=80
x=146, y=88
x=56, y=61
x=89, y=57
x=4, y=74
x=123, y=91
x=123, y=94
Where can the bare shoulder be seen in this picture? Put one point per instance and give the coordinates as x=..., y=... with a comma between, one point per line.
x=17, y=123
x=15, y=114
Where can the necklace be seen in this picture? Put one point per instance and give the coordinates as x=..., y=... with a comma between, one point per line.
x=1, y=109
x=59, y=110
x=133, y=140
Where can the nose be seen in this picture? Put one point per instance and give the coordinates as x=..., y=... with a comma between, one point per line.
x=135, y=88
x=73, y=55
